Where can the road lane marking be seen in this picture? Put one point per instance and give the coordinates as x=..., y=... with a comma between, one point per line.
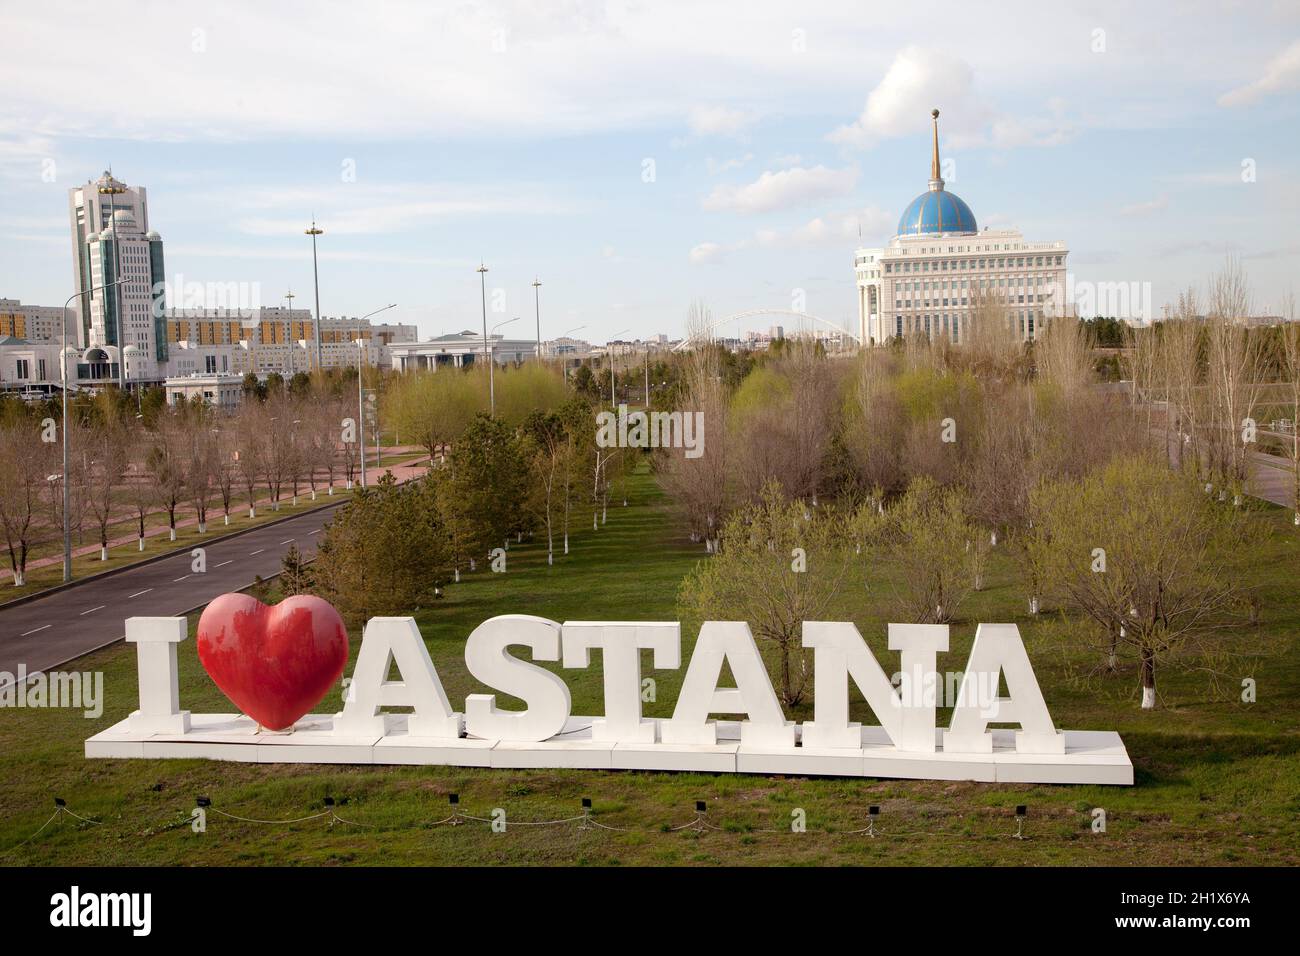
x=138, y=593
x=181, y=578
x=34, y=630
x=92, y=610
x=222, y=564
x=317, y=531
x=290, y=541
x=258, y=551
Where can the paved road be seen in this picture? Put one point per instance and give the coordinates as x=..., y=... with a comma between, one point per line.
x=51, y=630
x=1270, y=477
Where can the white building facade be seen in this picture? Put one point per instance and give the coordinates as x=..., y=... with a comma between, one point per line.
x=460, y=350
x=935, y=273
x=111, y=238
x=216, y=390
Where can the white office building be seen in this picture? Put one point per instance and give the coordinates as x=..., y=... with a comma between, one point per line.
x=460, y=350
x=932, y=275
x=110, y=232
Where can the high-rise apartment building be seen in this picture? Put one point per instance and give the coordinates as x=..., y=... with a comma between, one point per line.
x=111, y=238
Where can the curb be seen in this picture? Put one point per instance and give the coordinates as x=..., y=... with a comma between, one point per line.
x=63, y=586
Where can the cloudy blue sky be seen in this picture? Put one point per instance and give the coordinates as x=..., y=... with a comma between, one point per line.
x=638, y=155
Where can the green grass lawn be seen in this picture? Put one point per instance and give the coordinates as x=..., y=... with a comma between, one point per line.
x=1218, y=781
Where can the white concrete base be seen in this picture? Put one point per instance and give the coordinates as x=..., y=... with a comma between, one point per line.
x=399, y=747
x=1094, y=757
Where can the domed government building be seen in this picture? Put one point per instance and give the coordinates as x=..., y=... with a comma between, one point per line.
x=940, y=266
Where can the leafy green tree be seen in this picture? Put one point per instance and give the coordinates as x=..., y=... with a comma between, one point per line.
x=434, y=408
x=584, y=382
x=935, y=553
x=295, y=574
x=483, y=488
x=779, y=564
x=386, y=552
x=1147, y=556
x=300, y=385
x=253, y=387
x=528, y=388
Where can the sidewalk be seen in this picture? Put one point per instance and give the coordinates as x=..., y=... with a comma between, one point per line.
x=400, y=473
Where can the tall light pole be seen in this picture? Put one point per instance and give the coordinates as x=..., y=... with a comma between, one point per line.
x=111, y=189
x=492, y=365
x=289, y=321
x=537, y=307
x=63, y=378
x=576, y=328
x=609, y=347
x=361, y=405
x=482, y=282
x=361, y=412
x=314, y=232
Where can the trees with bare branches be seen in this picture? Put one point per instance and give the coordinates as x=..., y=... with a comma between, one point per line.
x=1290, y=366
x=110, y=449
x=23, y=474
x=249, y=451
x=698, y=486
x=225, y=465
x=1234, y=367
x=168, y=462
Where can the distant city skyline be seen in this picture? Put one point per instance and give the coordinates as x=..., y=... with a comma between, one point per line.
x=635, y=159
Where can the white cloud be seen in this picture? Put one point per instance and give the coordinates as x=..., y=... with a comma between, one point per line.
x=782, y=189
x=1281, y=74
x=356, y=209
x=719, y=121
x=918, y=81
x=1159, y=204
x=842, y=228
x=716, y=166
x=834, y=229
x=706, y=252
x=520, y=70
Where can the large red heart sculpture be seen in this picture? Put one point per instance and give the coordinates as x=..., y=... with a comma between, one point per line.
x=274, y=663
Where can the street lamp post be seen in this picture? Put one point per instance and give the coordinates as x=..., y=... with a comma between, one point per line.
x=361, y=408
x=361, y=412
x=537, y=307
x=111, y=190
x=482, y=282
x=314, y=232
x=63, y=378
x=289, y=321
x=492, y=387
x=564, y=364
x=609, y=347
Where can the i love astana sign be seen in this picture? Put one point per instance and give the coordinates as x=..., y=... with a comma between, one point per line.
x=278, y=663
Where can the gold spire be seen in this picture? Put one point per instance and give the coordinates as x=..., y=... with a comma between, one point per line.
x=934, y=160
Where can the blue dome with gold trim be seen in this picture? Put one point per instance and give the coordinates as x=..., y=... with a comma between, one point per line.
x=937, y=212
